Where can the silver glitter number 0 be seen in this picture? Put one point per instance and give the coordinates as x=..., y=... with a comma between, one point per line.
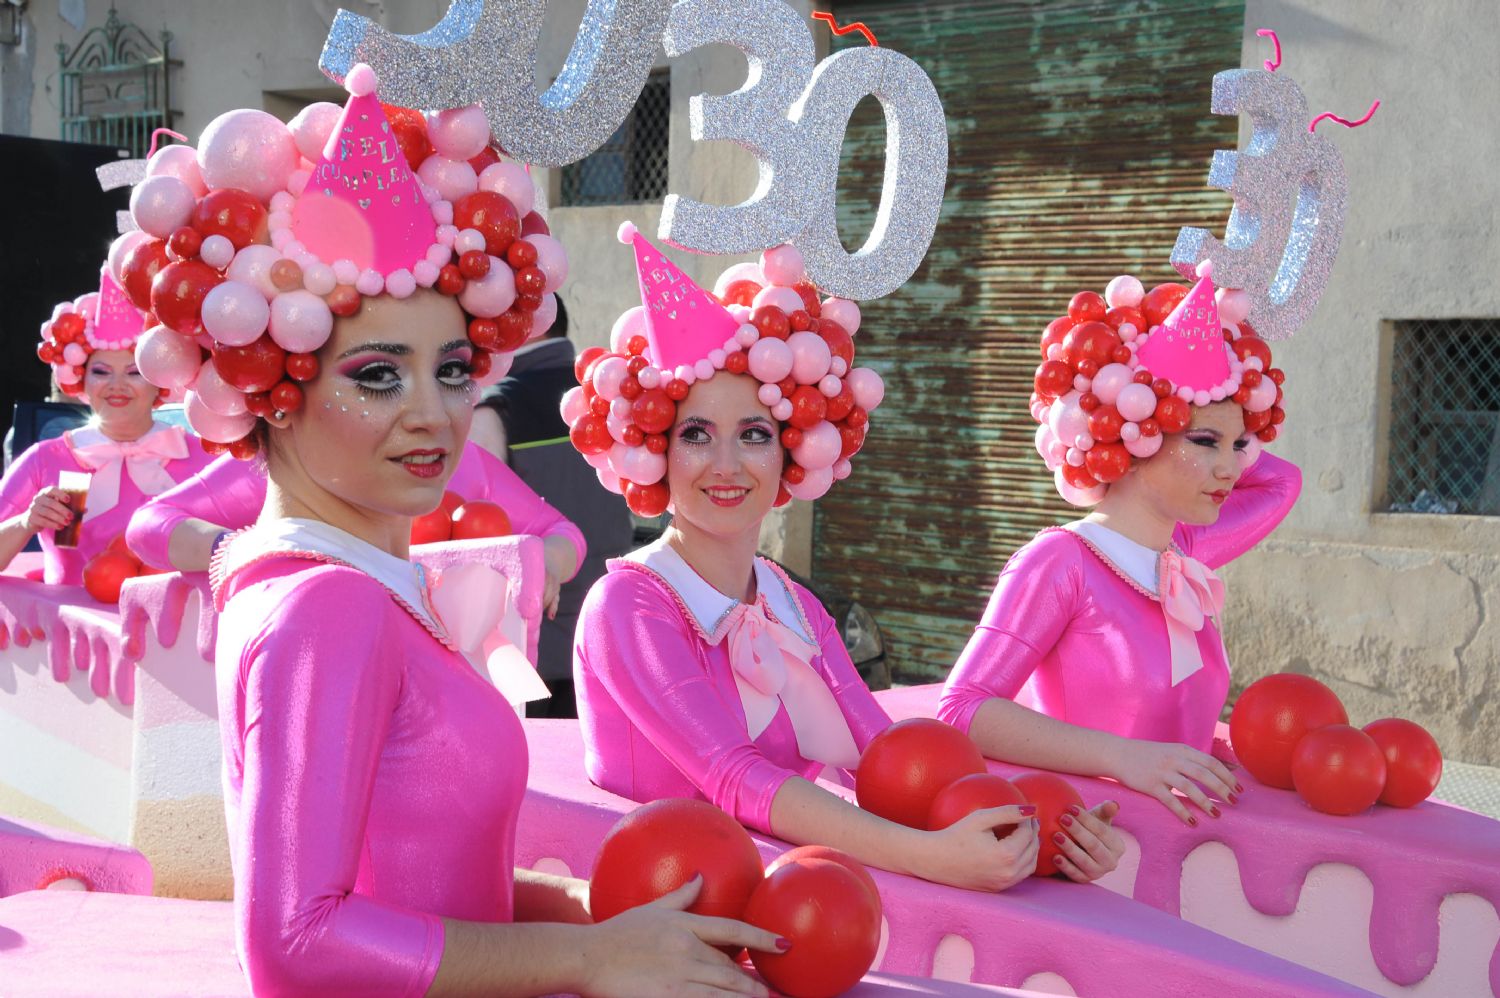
x=792, y=116
x=1289, y=191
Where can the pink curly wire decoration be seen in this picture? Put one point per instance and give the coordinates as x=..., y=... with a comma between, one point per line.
x=1344, y=121
x=1272, y=65
x=156, y=135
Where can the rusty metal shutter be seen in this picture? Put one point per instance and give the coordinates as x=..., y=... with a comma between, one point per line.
x=1080, y=139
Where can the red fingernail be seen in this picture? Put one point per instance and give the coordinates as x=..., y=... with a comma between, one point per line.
x=1059, y=838
x=1074, y=809
x=1064, y=820
x=783, y=943
x=1233, y=799
x=1213, y=810
x=1058, y=859
x=1239, y=789
x=1027, y=810
x=1193, y=820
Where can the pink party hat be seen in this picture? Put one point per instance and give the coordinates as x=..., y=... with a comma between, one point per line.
x=362, y=202
x=1188, y=348
x=117, y=323
x=684, y=323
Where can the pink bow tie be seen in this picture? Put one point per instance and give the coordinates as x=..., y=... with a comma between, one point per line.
x=773, y=668
x=1190, y=592
x=145, y=459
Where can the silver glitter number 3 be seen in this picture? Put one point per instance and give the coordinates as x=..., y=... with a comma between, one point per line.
x=1289, y=191
x=484, y=52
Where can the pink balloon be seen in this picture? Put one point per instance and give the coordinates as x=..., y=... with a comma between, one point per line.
x=300, y=321
x=1124, y=292
x=770, y=360
x=491, y=294
x=785, y=299
x=512, y=182
x=1233, y=304
x=75, y=354
x=810, y=357
x=451, y=178
x=543, y=318
x=460, y=132
x=252, y=265
x=610, y=481
x=161, y=205
x=739, y=272
x=217, y=394
x=250, y=150
x=1136, y=402
x=1144, y=447
x=181, y=162
x=1066, y=419
x=783, y=265
x=608, y=374
x=632, y=322
x=216, y=251
x=638, y=464
x=167, y=359
x=867, y=387
x=573, y=405
x=814, y=486
x=552, y=259
x=1110, y=380
x=120, y=248
x=1044, y=442
x=843, y=312
x=819, y=447
x=214, y=426
x=1077, y=496
x=597, y=461
x=499, y=367
x=1262, y=396
x=312, y=126
x=235, y=314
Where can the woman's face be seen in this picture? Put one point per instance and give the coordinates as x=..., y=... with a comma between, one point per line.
x=724, y=456
x=1193, y=473
x=382, y=425
x=116, y=391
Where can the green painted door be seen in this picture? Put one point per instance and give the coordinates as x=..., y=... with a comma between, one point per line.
x=1080, y=140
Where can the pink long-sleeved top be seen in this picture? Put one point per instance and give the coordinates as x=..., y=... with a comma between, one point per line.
x=38, y=468
x=231, y=492
x=1071, y=635
x=657, y=699
x=372, y=778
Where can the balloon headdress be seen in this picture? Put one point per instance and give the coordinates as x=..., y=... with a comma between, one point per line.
x=100, y=320
x=251, y=245
x=765, y=320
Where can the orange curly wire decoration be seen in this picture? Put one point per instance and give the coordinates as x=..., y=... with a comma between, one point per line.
x=827, y=18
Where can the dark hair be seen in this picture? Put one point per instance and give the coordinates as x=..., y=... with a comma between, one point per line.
x=560, y=324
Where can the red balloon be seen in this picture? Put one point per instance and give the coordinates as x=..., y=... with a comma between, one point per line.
x=1338, y=769
x=140, y=268
x=302, y=366
x=254, y=368
x=771, y=321
x=590, y=435
x=677, y=390
x=1105, y=424
x=657, y=848
x=431, y=528
x=809, y=407
x=1107, y=462
x=838, y=407
x=286, y=396
x=479, y=518
x=491, y=214
x=584, y=360
x=530, y=281
x=535, y=225
x=106, y=572
x=1052, y=796
x=234, y=214
x=185, y=242
x=1053, y=378
x=520, y=254
x=741, y=293
x=831, y=854
x=177, y=294
x=653, y=411
x=810, y=300
x=1257, y=421
x=487, y=157
x=1087, y=306
x=840, y=343
x=1173, y=414
x=1159, y=302
x=410, y=129
x=851, y=438
x=1272, y=716
x=907, y=765
x=1055, y=331
x=515, y=327
x=832, y=922
x=1252, y=346
x=1079, y=478
x=964, y=796
x=1413, y=761
x=1090, y=341
x=647, y=500
x=1118, y=316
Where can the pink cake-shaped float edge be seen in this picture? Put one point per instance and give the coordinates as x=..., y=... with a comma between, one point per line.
x=33, y=855
x=1413, y=857
x=1100, y=942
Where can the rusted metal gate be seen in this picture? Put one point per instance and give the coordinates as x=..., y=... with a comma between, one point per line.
x=1080, y=139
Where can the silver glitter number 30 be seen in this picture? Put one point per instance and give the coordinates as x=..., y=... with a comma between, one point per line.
x=792, y=116
x=1289, y=191
x=484, y=52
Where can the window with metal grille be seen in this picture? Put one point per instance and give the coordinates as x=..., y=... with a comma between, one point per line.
x=116, y=86
x=1445, y=417
x=631, y=166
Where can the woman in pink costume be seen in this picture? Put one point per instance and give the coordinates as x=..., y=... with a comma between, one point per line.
x=1099, y=652
x=372, y=777
x=702, y=670
x=90, y=344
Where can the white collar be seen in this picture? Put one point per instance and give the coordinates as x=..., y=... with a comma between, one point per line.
x=710, y=608
x=296, y=536
x=90, y=435
x=1130, y=557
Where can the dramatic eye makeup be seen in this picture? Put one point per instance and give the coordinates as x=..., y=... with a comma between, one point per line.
x=382, y=378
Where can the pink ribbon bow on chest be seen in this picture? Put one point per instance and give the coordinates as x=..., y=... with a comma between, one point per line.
x=773, y=669
x=1190, y=593
x=145, y=459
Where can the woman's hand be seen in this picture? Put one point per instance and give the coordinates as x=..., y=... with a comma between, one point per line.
x=49, y=511
x=967, y=854
x=1091, y=847
x=550, y=593
x=659, y=949
x=1164, y=770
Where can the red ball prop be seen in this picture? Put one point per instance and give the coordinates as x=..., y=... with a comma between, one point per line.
x=177, y=293
x=1173, y=414
x=809, y=406
x=1052, y=796
x=840, y=343
x=1272, y=716
x=1338, y=769
x=1055, y=331
x=479, y=518
x=771, y=321
x=1053, y=378
x=431, y=528
x=653, y=411
x=647, y=500
x=139, y=270
x=964, y=796
x=831, y=920
x=256, y=367
x=1413, y=761
x=1090, y=341
x=1159, y=302
x=585, y=360
x=1107, y=462
x=1105, y=423
x=1087, y=306
x=234, y=214
x=907, y=765
x=106, y=572
x=741, y=293
x=657, y=848
x=831, y=854
x=491, y=214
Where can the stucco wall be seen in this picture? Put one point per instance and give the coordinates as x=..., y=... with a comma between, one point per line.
x=1397, y=612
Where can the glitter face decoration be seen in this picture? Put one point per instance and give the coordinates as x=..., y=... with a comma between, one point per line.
x=1290, y=193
